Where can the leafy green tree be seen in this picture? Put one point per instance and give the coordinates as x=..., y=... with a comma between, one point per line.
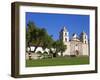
x=47, y=43
x=58, y=47
x=29, y=34
x=37, y=37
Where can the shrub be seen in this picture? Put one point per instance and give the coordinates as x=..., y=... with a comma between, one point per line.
x=39, y=52
x=45, y=54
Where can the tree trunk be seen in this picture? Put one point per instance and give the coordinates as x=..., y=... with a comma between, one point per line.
x=61, y=54
x=29, y=48
x=36, y=46
x=54, y=55
x=35, y=49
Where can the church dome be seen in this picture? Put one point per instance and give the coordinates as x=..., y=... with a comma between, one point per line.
x=75, y=37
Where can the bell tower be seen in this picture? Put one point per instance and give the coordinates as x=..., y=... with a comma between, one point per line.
x=84, y=38
x=64, y=35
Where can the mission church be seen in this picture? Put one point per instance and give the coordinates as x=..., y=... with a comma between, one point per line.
x=76, y=45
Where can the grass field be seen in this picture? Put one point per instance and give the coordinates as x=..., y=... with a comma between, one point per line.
x=58, y=61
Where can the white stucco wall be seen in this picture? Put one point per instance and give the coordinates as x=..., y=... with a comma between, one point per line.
x=67, y=51
x=85, y=49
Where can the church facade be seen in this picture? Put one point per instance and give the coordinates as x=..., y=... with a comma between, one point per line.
x=77, y=45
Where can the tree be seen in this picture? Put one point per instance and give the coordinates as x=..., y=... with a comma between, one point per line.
x=47, y=43
x=58, y=47
x=29, y=33
x=37, y=37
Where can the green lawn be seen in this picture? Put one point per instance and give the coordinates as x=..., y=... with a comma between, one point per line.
x=58, y=61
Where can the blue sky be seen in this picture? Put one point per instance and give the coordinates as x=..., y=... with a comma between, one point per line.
x=53, y=23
